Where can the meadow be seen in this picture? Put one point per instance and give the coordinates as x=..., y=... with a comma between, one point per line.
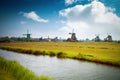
x=99, y=52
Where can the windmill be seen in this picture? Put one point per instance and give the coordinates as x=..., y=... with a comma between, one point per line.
x=28, y=35
x=108, y=38
x=73, y=37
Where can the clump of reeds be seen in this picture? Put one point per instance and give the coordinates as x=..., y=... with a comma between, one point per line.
x=52, y=54
x=61, y=55
x=37, y=52
x=18, y=71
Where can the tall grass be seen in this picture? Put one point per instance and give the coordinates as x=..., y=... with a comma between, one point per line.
x=18, y=71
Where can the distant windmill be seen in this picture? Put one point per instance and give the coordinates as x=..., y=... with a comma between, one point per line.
x=73, y=37
x=108, y=38
x=28, y=35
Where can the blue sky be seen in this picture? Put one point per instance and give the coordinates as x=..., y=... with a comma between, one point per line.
x=54, y=18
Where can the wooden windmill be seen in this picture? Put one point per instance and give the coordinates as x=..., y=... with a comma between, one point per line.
x=28, y=35
x=73, y=37
x=108, y=38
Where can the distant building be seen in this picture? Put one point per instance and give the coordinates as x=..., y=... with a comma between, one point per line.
x=108, y=38
x=4, y=39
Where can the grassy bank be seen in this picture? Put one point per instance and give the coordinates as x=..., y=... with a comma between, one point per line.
x=11, y=70
x=5, y=75
x=99, y=52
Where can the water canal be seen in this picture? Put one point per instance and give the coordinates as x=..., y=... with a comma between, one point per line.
x=63, y=69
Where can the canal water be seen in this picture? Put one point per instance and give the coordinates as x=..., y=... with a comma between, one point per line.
x=64, y=69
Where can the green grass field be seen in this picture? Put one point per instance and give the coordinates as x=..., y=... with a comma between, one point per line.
x=100, y=52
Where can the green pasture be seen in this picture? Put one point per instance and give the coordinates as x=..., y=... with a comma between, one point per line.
x=101, y=52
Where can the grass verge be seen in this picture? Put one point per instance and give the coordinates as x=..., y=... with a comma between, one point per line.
x=17, y=71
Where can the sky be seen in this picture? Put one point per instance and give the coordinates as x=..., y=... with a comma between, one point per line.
x=56, y=18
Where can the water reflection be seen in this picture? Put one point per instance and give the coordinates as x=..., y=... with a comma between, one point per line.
x=64, y=69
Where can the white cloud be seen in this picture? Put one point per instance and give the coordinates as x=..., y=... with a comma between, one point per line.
x=68, y=2
x=32, y=15
x=90, y=19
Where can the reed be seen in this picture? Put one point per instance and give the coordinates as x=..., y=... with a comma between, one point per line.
x=18, y=71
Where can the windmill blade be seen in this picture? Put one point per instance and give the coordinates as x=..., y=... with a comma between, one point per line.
x=73, y=31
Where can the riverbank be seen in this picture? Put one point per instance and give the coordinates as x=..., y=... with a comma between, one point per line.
x=12, y=70
x=99, y=52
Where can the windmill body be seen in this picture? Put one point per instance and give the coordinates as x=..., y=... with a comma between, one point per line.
x=73, y=37
x=28, y=35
